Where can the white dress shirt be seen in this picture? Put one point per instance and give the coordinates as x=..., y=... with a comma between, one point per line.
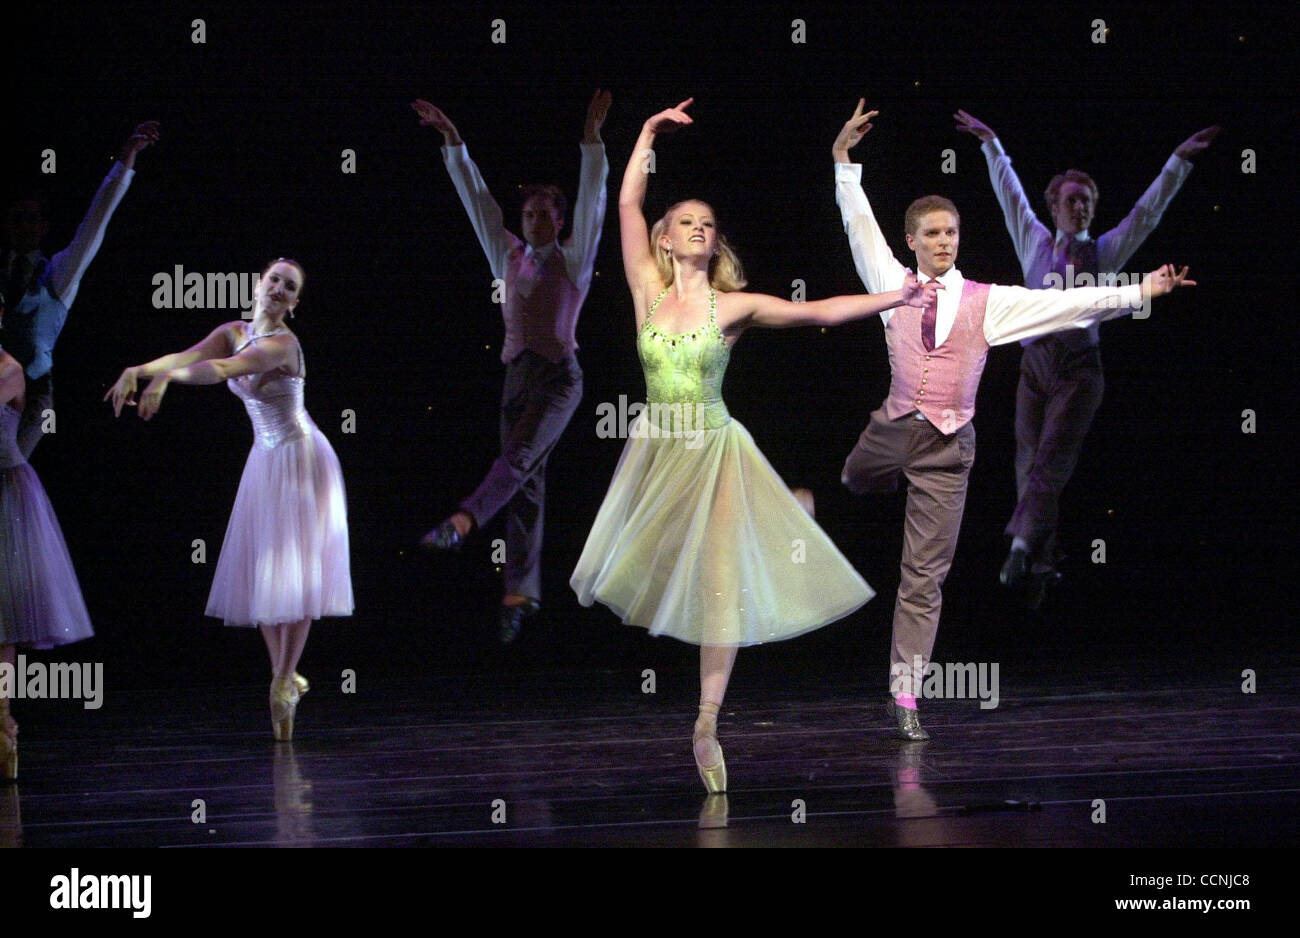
x=579, y=251
x=1012, y=313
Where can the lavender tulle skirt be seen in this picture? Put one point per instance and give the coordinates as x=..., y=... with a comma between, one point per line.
x=40, y=600
x=285, y=556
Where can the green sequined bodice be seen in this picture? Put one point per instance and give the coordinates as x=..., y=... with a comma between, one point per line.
x=686, y=368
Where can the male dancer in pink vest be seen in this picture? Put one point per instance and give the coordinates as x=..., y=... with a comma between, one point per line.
x=923, y=430
x=1060, y=374
x=545, y=284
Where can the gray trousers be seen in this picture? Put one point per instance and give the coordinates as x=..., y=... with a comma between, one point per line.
x=1059, y=393
x=937, y=468
x=537, y=402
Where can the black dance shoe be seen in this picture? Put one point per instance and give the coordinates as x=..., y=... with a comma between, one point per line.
x=1015, y=569
x=1038, y=586
x=908, y=722
x=512, y=619
x=443, y=537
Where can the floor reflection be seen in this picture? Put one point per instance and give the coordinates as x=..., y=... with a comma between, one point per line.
x=293, y=806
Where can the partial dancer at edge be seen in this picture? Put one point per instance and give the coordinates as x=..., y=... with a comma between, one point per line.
x=693, y=539
x=1061, y=379
x=923, y=430
x=40, y=599
x=41, y=290
x=285, y=559
x=546, y=283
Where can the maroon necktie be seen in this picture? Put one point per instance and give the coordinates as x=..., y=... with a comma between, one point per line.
x=928, y=317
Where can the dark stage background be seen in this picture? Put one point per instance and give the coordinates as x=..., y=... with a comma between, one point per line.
x=398, y=324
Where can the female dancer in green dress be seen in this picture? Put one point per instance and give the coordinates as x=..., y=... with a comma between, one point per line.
x=698, y=537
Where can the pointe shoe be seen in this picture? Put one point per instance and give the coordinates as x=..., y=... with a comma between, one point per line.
x=714, y=777
x=284, y=702
x=300, y=683
x=8, y=757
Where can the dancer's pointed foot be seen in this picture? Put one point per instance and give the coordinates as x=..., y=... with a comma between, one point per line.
x=300, y=682
x=284, y=703
x=713, y=813
x=708, y=752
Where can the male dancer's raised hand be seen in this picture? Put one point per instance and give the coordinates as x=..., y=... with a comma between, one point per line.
x=597, y=110
x=431, y=116
x=1197, y=142
x=851, y=134
x=973, y=125
x=143, y=136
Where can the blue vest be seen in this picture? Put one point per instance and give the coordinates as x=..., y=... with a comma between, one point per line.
x=32, y=325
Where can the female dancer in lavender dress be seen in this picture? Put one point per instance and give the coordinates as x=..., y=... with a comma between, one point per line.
x=284, y=561
x=40, y=601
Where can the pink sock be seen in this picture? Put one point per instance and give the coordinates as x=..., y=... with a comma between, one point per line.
x=906, y=701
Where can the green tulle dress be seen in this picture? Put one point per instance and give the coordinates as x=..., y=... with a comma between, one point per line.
x=698, y=537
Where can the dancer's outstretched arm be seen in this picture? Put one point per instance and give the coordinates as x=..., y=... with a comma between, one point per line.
x=739, y=310
x=69, y=265
x=208, y=362
x=638, y=261
x=483, y=210
x=1016, y=313
x=219, y=343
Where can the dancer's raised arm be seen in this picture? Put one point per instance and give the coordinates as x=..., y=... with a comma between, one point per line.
x=879, y=269
x=483, y=210
x=69, y=265
x=638, y=260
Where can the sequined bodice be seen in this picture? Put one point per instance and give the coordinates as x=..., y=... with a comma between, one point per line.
x=274, y=401
x=686, y=368
x=10, y=454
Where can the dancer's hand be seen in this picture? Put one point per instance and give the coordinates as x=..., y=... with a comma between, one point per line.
x=1197, y=142
x=143, y=136
x=974, y=126
x=671, y=119
x=152, y=397
x=122, y=394
x=431, y=116
x=597, y=111
x=1164, y=280
x=851, y=134
x=926, y=296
